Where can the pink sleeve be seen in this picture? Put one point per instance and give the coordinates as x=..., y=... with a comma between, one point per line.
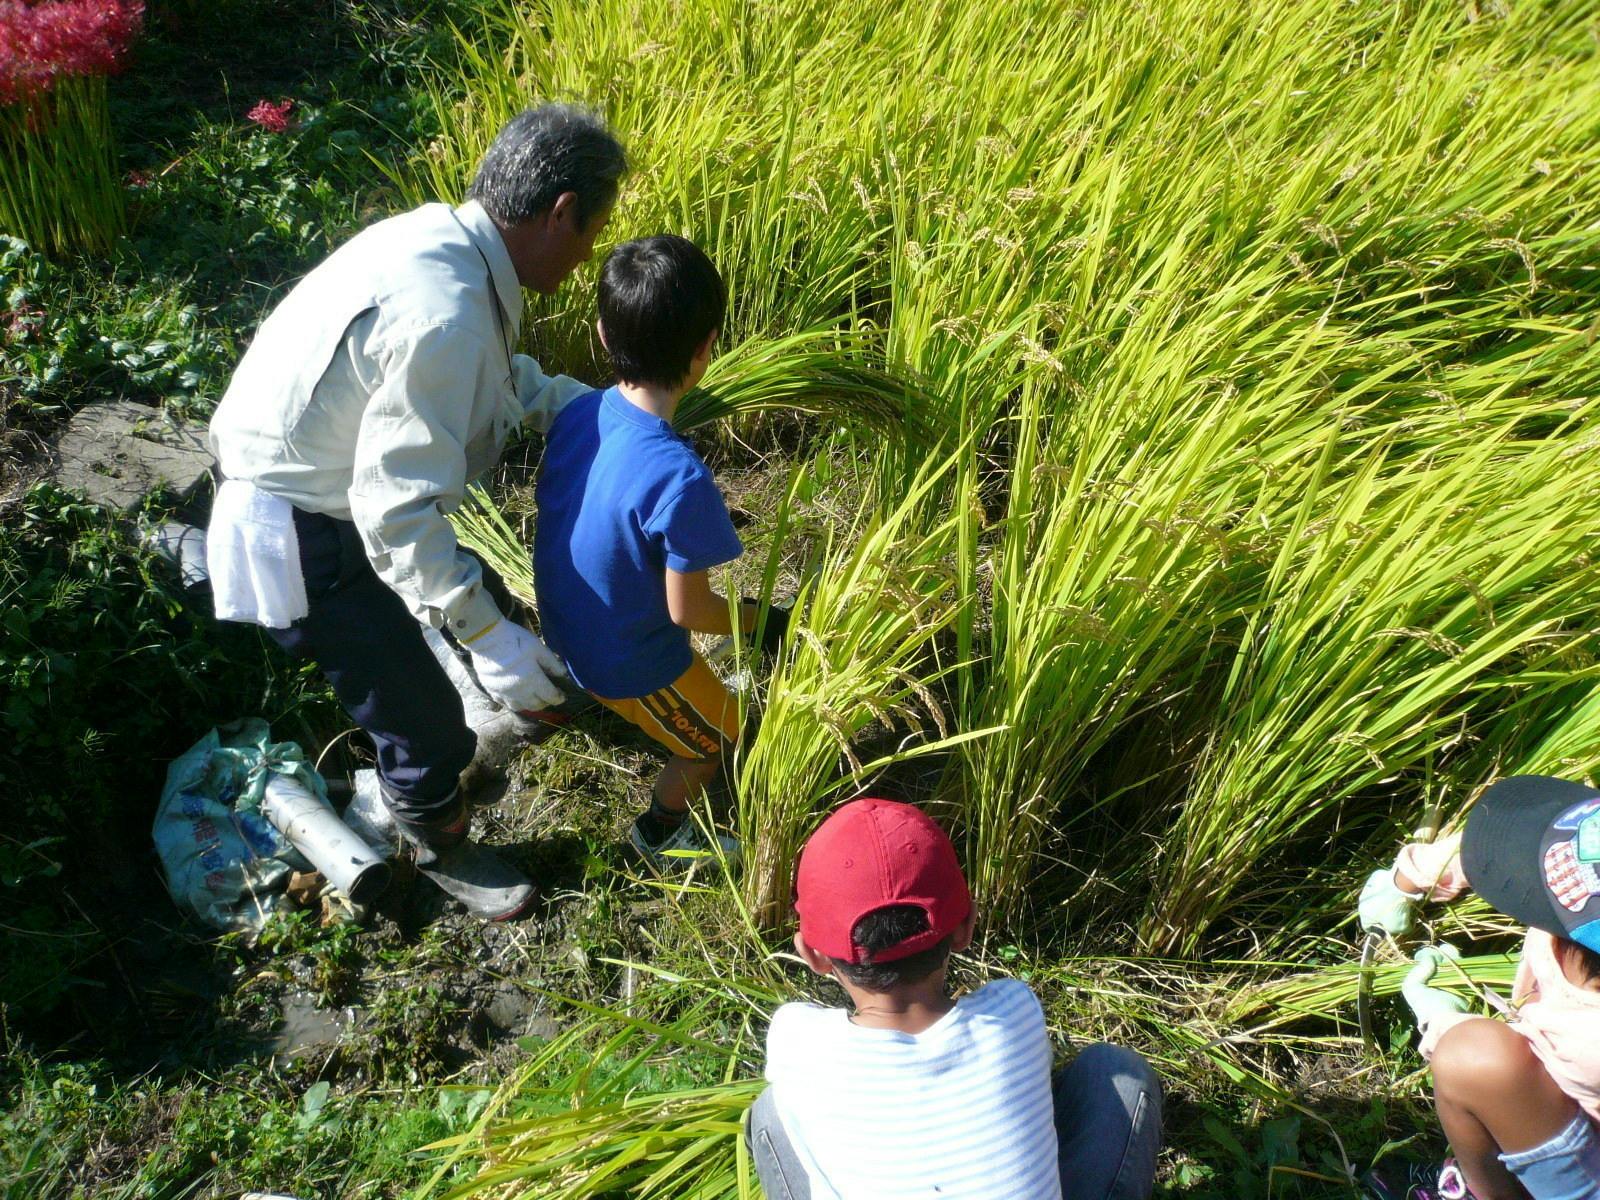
x=1435, y=867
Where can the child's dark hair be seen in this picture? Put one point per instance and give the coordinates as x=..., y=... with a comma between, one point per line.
x=660, y=298
x=1588, y=960
x=885, y=927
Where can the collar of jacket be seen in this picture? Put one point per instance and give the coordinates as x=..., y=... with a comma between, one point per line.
x=483, y=233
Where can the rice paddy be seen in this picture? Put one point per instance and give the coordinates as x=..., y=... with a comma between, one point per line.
x=1201, y=401
x=1222, y=391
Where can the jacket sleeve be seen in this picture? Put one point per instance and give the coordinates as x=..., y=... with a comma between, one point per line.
x=410, y=470
x=543, y=396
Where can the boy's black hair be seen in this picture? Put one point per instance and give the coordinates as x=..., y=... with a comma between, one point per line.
x=660, y=298
x=885, y=927
x=1588, y=960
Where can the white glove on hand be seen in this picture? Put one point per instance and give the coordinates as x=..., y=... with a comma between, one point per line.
x=1429, y=862
x=1429, y=1003
x=1384, y=907
x=514, y=667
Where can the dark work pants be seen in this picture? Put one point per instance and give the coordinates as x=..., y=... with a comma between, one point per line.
x=372, y=651
x=1108, y=1130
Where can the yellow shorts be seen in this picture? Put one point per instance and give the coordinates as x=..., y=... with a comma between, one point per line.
x=694, y=716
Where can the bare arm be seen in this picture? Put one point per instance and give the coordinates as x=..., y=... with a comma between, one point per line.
x=693, y=605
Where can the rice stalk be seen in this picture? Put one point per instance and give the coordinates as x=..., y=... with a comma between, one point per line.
x=582, y=1118
x=482, y=528
x=862, y=653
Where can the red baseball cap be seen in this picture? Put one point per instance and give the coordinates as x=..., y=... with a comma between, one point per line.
x=870, y=854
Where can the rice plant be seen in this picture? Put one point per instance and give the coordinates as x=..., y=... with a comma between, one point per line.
x=1378, y=644
x=581, y=1119
x=864, y=654
x=1222, y=380
x=830, y=374
x=1316, y=994
x=482, y=528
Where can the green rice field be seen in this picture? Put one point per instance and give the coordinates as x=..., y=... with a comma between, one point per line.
x=1176, y=425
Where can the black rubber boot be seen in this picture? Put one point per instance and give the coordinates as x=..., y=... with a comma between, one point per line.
x=435, y=837
x=490, y=888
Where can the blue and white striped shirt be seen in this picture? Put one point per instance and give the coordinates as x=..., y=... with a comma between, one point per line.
x=961, y=1111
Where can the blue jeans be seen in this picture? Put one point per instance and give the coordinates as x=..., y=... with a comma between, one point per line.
x=1567, y=1167
x=1108, y=1130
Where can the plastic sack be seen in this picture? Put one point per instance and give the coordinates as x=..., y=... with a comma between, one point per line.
x=224, y=862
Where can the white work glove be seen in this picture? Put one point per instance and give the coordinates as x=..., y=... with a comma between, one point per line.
x=514, y=667
x=1428, y=1003
x=1384, y=907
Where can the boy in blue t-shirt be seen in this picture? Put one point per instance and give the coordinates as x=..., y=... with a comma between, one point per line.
x=630, y=522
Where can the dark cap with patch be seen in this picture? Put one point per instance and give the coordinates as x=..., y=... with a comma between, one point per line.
x=1531, y=848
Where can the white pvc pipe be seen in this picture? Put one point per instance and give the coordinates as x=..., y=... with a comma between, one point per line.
x=327, y=842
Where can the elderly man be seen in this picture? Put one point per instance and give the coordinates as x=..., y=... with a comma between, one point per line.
x=374, y=391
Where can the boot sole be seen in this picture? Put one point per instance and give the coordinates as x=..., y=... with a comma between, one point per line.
x=519, y=910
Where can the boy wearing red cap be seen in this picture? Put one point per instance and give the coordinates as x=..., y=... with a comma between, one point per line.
x=1519, y=1099
x=909, y=1093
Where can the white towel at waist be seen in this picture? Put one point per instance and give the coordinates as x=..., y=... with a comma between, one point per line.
x=253, y=555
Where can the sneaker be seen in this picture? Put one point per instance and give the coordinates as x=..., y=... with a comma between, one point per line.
x=1409, y=1179
x=681, y=848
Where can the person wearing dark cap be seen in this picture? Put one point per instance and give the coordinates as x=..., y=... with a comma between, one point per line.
x=908, y=1093
x=1519, y=1099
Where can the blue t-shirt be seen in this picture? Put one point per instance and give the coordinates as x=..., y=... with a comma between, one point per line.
x=621, y=498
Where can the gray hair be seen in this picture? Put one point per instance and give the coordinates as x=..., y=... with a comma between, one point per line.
x=543, y=152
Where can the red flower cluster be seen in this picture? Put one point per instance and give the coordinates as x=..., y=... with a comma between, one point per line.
x=274, y=118
x=42, y=41
x=23, y=321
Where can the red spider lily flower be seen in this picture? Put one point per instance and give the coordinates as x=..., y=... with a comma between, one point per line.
x=23, y=322
x=42, y=41
x=274, y=118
